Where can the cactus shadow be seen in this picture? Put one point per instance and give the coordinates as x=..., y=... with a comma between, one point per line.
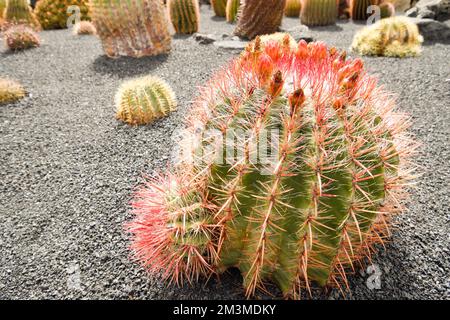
x=127, y=66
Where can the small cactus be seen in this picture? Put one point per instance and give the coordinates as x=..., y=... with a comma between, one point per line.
x=358, y=8
x=146, y=32
x=387, y=10
x=143, y=100
x=292, y=8
x=53, y=14
x=390, y=37
x=259, y=17
x=21, y=37
x=185, y=15
x=20, y=12
x=10, y=91
x=311, y=213
x=219, y=7
x=84, y=28
x=232, y=10
x=318, y=12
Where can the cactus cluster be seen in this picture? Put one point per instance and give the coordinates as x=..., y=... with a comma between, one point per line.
x=131, y=28
x=185, y=15
x=292, y=8
x=53, y=14
x=219, y=7
x=144, y=100
x=337, y=159
x=259, y=17
x=21, y=37
x=390, y=37
x=10, y=91
x=84, y=28
x=232, y=10
x=20, y=12
x=319, y=12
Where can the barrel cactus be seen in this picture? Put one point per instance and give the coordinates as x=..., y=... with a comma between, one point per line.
x=21, y=37
x=298, y=208
x=232, y=10
x=20, y=12
x=387, y=10
x=54, y=14
x=84, y=28
x=2, y=8
x=219, y=7
x=143, y=100
x=259, y=17
x=10, y=91
x=358, y=8
x=292, y=8
x=185, y=15
x=319, y=12
x=390, y=37
x=131, y=28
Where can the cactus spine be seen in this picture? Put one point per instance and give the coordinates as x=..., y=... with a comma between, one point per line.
x=10, y=91
x=305, y=215
x=219, y=7
x=391, y=37
x=20, y=12
x=259, y=17
x=53, y=14
x=185, y=15
x=358, y=8
x=232, y=10
x=319, y=12
x=131, y=28
x=143, y=100
x=292, y=8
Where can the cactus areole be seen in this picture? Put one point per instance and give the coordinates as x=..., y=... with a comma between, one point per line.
x=317, y=164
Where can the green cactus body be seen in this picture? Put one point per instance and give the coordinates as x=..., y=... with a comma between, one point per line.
x=292, y=8
x=144, y=100
x=232, y=10
x=131, y=28
x=2, y=8
x=54, y=14
x=318, y=12
x=392, y=37
x=358, y=8
x=20, y=12
x=185, y=15
x=219, y=7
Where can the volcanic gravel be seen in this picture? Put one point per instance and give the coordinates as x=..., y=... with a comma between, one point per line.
x=68, y=169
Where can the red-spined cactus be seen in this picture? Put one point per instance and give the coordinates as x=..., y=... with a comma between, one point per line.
x=310, y=211
x=21, y=37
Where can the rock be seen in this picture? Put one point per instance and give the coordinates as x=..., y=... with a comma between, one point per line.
x=300, y=32
x=205, y=38
x=426, y=14
x=438, y=7
x=432, y=30
x=231, y=44
x=413, y=12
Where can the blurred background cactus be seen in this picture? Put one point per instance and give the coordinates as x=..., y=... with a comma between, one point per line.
x=387, y=10
x=146, y=32
x=232, y=10
x=185, y=15
x=319, y=12
x=20, y=12
x=358, y=8
x=84, y=28
x=219, y=7
x=292, y=8
x=53, y=14
x=391, y=37
x=259, y=17
x=10, y=91
x=21, y=37
x=143, y=100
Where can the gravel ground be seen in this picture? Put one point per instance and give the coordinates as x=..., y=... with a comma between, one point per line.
x=68, y=168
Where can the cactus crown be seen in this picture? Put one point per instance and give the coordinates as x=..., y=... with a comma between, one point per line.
x=391, y=37
x=301, y=212
x=318, y=12
x=52, y=14
x=21, y=37
x=10, y=91
x=185, y=15
x=143, y=100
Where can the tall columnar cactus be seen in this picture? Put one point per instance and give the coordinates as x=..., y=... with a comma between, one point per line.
x=185, y=15
x=55, y=14
x=232, y=10
x=259, y=17
x=10, y=91
x=219, y=7
x=319, y=12
x=391, y=37
x=358, y=8
x=298, y=164
x=131, y=28
x=20, y=12
x=144, y=100
x=292, y=8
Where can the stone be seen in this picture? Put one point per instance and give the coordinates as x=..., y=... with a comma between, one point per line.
x=426, y=14
x=438, y=7
x=432, y=30
x=300, y=32
x=231, y=44
x=413, y=12
x=205, y=38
